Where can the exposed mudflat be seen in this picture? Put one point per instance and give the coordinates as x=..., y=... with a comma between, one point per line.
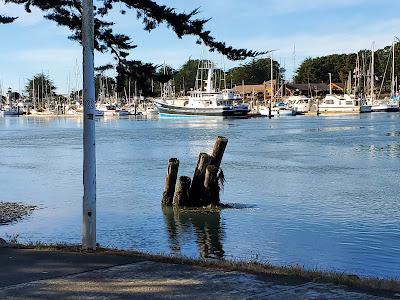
x=11, y=211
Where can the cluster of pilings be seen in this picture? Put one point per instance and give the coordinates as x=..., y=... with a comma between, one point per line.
x=204, y=189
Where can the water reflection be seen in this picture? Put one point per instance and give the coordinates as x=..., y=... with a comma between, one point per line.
x=205, y=225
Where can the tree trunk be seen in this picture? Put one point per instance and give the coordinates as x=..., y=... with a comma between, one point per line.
x=181, y=198
x=170, y=182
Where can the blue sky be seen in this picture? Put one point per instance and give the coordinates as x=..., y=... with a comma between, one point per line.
x=316, y=27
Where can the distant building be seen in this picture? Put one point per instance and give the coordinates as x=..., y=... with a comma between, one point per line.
x=250, y=91
x=312, y=89
x=256, y=91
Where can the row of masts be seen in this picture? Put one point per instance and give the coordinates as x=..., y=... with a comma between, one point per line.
x=363, y=79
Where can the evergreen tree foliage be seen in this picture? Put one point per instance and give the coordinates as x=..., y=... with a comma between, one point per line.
x=40, y=86
x=68, y=13
x=316, y=70
x=255, y=72
x=6, y=19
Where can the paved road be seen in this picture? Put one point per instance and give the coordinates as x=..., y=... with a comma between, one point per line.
x=32, y=274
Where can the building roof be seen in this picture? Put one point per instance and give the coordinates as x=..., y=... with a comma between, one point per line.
x=314, y=86
x=256, y=88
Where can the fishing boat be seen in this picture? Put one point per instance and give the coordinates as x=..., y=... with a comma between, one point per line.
x=205, y=100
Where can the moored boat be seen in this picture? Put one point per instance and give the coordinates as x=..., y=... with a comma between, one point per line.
x=11, y=111
x=205, y=100
x=385, y=105
x=300, y=104
x=341, y=104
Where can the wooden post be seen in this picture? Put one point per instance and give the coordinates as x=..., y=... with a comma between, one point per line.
x=170, y=182
x=218, y=151
x=182, y=192
x=197, y=188
x=211, y=188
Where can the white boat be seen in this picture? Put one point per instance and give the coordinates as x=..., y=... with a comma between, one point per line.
x=340, y=104
x=108, y=110
x=300, y=104
x=151, y=111
x=275, y=111
x=282, y=111
x=385, y=105
x=264, y=111
x=205, y=100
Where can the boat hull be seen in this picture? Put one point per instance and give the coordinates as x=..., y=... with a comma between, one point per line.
x=339, y=109
x=385, y=108
x=167, y=109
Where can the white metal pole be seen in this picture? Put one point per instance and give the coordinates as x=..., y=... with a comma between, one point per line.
x=89, y=145
x=330, y=83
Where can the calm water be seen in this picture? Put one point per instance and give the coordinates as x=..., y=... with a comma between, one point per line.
x=320, y=192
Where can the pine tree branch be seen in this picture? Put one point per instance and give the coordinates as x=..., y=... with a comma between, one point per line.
x=6, y=19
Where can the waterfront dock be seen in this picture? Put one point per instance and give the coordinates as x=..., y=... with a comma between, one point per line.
x=52, y=273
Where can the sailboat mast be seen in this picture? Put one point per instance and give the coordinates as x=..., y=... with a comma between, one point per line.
x=129, y=90
x=33, y=93
x=272, y=77
x=272, y=88
x=393, y=75
x=372, y=71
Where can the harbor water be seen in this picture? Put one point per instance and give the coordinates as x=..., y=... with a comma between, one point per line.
x=320, y=192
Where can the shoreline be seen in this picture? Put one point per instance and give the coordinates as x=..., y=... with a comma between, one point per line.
x=379, y=286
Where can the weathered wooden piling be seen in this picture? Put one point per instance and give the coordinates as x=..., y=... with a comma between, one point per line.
x=170, y=182
x=197, y=187
x=218, y=151
x=181, y=197
x=211, y=187
x=204, y=189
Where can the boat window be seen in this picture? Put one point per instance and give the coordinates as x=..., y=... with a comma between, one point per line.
x=329, y=101
x=349, y=102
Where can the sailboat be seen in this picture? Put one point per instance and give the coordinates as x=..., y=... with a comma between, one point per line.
x=205, y=100
x=388, y=104
x=267, y=109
